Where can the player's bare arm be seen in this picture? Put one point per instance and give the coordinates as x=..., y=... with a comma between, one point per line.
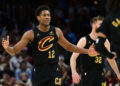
x=75, y=76
x=27, y=37
x=67, y=45
x=92, y=50
x=100, y=48
x=112, y=61
x=81, y=44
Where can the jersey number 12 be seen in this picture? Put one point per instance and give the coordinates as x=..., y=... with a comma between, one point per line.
x=51, y=54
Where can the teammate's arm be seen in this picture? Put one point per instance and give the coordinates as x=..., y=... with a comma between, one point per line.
x=112, y=61
x=19, y=46
x=104, y=33
x=75, y=75
x=99, y=46
x=67, y=45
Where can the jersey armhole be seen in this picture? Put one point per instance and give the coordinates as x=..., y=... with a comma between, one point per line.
x=55, y=29
x=33, y=30
x=85, y=42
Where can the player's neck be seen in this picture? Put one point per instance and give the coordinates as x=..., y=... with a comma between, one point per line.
x=43, y=28
x=93, y=35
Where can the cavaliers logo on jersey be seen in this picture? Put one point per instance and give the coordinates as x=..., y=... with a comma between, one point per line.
x=41, y=44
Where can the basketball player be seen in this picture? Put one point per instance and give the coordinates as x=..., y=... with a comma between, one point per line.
x=92, y=74
x=44, y=39
x=109, y=29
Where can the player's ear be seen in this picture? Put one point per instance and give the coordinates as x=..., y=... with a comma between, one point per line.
x=38, y=18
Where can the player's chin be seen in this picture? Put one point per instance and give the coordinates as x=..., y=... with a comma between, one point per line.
x=46, y=24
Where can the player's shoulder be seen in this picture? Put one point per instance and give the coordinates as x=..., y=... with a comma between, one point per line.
x=106, y=42
x=57, y=29
x=83, y=39
x=82, y=42
x=29, y=34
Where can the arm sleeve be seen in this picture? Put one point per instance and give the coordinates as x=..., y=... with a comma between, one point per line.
x=99, y=47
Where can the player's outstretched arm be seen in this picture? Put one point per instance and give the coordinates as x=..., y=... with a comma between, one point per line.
x=19, y=46
x=67, y=45
x=112, y=61
x=99, y=47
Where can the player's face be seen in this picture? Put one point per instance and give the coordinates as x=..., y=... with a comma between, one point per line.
x=44, y=17
x=98, y=24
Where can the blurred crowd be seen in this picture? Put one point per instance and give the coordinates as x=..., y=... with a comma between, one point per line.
x=72, y=16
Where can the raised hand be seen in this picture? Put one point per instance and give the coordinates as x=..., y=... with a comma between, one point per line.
x=5, y=43
x=76, y=77
x=92, y=51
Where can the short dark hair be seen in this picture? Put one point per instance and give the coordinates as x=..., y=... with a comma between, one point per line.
x=94, y=19
x=40, y=9
x=113, y=5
